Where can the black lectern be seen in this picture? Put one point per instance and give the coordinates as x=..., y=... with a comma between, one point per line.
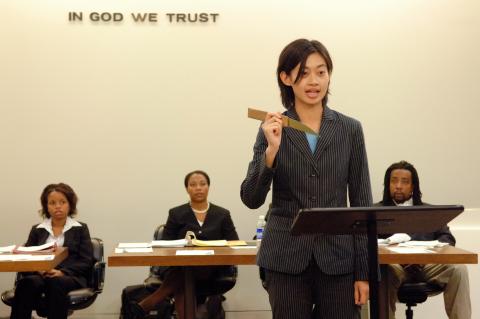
x=374, y=220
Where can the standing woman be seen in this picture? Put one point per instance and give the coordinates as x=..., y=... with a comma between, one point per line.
x=59, y=203
x=309, y=276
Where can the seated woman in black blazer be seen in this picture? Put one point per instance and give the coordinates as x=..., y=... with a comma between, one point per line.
x=59, y=203
x=208, y=222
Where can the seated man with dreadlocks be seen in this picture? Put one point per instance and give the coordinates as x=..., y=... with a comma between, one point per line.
x=402, y=188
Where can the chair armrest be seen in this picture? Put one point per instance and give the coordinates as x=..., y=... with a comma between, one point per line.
x=158, y=271
x=223, y=281
x=229, y=273
x=152, y=282
x=98, y=276
x=82, y=295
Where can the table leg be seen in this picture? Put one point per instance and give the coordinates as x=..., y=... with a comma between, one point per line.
x=190, y=298
x=373, y=271
x=383, y=293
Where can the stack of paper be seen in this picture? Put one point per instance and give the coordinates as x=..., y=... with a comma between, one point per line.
x=423, y=243
x=25, y=257
x=134, y=248
x=169, y=243
x=394, y=239
x=194, y=252
x=7, y=249
x=41, y=248
x=134, y=245
x=411, y=250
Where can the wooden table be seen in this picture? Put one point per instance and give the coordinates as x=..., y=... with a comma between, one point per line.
x=61, y=253
x=229, y=256
x=168, y=257
x=445, y=255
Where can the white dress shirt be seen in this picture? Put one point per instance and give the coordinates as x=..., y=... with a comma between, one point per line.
x=59, y=240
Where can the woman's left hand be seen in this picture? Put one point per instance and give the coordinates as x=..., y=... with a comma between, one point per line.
x=53, y=273
x=361, y=292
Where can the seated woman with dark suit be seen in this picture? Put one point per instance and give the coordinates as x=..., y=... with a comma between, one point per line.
x=59, y=203
x=208, y=222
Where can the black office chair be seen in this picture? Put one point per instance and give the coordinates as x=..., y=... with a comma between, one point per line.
x=209, y=293
x=413, y=293
x=79, y=298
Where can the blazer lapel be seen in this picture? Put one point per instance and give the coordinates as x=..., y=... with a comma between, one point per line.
x=298, y=138
x=69, y=237
x=42, y=238
x=328, y=129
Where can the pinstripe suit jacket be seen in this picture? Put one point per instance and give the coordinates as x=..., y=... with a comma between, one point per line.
x=338, y=168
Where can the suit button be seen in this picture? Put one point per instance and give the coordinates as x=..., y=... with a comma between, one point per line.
x=313, y=175
x=313, y=198
x=199, y=231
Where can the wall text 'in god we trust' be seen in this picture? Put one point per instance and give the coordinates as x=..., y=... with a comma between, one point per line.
x=147, y=17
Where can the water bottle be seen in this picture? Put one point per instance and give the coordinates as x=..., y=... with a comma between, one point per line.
x=260, y=229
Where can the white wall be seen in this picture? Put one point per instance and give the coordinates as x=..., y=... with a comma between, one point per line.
x=122, y=111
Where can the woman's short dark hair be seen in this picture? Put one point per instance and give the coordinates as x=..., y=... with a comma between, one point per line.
x=187, y=177
x=297, y=52
x=417, y=193
x=65, y=190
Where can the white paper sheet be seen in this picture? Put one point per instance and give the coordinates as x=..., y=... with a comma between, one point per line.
x=24, y=257
x=134, y=245
x=169, y=243
x=411, y=250
x=35, y=248
x=138, y=250
x=194, y=252
x=7, y=249
x=423, y=243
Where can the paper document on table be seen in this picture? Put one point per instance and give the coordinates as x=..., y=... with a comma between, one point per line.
x=410, y=250
x=209, y=243
x=423, y=243
x=169, y=243
x=9, y=257
x=28, y=249
x=139, y=250
x=134, y=245
x=194, y=252
x=236, y=243
x=7, y=249
x=194, y=242
x=39, y=257
x=394, y=239
x=25, y=257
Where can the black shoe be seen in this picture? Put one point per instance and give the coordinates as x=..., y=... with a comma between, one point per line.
x=136, y=310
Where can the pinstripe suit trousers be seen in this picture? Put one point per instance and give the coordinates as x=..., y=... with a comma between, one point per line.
x=311, y=294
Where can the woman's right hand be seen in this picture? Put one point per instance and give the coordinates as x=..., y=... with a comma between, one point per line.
x=272, y=129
